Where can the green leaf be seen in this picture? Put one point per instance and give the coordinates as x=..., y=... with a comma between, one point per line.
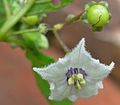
x=63, y=102
x=1, y=8
x=35, y=40
x=2, y=20
x=2, y=5
x=38, y=59
x=43, y=42
x=42, y=84
x=45, y=6
x=15, y=6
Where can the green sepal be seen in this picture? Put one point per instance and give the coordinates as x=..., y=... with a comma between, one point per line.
x=84, y=17
x=104, y=3
x=88, y=5
x=97, y=29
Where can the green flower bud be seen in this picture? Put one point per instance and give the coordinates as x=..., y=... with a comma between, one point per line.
x=58, y=26
x=96, y=14
x=43, y=28
x=31, y=20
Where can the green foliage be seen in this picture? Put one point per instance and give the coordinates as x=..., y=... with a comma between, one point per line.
x=31, y=20
x=46, y=6
x=37, y=58
x=35, y=40
x=2, y=21
x=63, y=102
x=1, y=8
x=24, y=16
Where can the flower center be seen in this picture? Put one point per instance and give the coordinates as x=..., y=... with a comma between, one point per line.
x=76, y=77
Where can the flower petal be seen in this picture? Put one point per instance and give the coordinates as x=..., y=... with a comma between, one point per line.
x=55, y=71
x=87, y=91
x=59, y=91
x=97, y=71
x=80, y=58
x=75, y=55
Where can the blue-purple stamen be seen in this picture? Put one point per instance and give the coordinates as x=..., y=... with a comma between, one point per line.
x=72, y=71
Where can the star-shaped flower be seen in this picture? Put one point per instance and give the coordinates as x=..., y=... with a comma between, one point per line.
x=76, y=75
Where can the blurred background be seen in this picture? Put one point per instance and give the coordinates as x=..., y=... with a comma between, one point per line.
x=17, y=83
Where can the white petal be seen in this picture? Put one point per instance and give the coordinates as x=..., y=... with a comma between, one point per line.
x=90, y=90
x=80, y=58
x=87, y=91
x=73, y=98
x=54, y=72
x=74, y=56
x=97, y=71
x=59, y=91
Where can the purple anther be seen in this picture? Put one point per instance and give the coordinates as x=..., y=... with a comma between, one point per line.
x=72, y=71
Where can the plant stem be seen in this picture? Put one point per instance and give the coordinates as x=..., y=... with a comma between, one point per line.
x=14, y=19
x=25, y=31
x=58, y=27
x=43, y=1
x=7, y=8
x=72, y=20
x=65, y=48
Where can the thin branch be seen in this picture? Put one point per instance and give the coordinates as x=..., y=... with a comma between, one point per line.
x=7, y=8
x=74, y=19
x=25, y=31
x=65, y=48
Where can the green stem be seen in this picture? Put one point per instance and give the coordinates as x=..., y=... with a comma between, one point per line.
x=63, y=45
x=7, y=8
x=25, y=31
x=14, y=19
x=58, y=27
x=42, y=1
x=72, y=20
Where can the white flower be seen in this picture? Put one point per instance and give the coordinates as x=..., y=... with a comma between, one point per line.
x=76, y=75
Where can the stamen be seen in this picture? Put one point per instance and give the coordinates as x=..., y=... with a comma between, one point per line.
x=76, y=77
